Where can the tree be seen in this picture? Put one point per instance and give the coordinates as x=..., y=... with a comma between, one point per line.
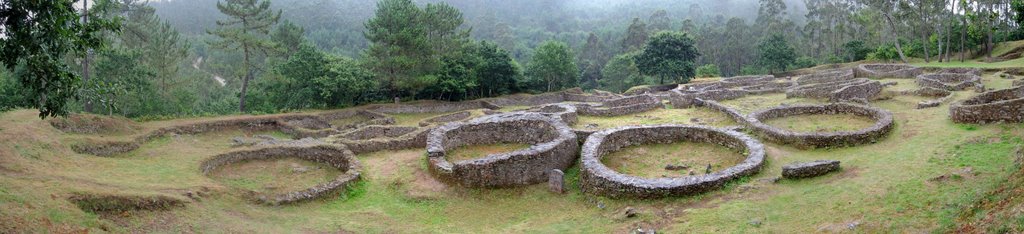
x=621, y=73
x=161, y=45
x=313, y=79
x=855, y=51
x=775, y=53
x=659, y=21
x=288, y=38
x=591, y=60
x=553, y=65
x=636, y=36
x=669, y=55
x=38, y=35
x=246, y=30
x=497, y=72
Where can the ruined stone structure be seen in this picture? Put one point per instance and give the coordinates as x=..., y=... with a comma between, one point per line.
x=1005, y=105
x=621, y=106
x=950, y=81
x=553, y=146
x=838, y=85
x=337, y=156
x=901, y=71
x=457, y=116
x=809, y=169
x=596, y=178
x=883, y=124
x=940, y=96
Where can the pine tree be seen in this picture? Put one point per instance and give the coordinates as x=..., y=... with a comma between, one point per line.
x=659, y=21
x=636, y=36
x=400, y=52
x=246, y=30
x=591, y=61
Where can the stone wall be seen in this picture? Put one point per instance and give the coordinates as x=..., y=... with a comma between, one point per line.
x=622, y=106
x=596, y=178
x=902, y=71
x=883, y=124
x=940, y=95
x=553, y=146
x=562, y=111
x=336, y=156
x=958, y=70
x=377, y=138
x=1005, y=105
x=949, y=81
x=258, y=123
x=457, y=116
x=431, y=107
x=836, y=91
x=825, y=76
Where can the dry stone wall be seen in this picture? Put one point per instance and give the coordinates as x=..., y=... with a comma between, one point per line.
x=622, y=106
x=597, y=178
x=901, y=71
x=1005, y=105
x=883, y=125
x=553, y=146
x=950, y=81
x=336, y=156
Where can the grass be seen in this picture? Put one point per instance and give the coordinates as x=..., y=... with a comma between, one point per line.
x=649, y=161
x=887, y=186
x=349, y=120
x=978, y=63
x=480, y=151
x=659, y=116
x=275, y=176
x=750, y=104
x=822, y=123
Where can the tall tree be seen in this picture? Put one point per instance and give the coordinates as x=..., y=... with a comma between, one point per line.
x=497, y=72
x=553, y=65
x=591, y=60
x=775, y=53
x=636, y=36
x=38, y=35
x=621, y=73
x=161, y=45
x=669, y=55
x=288, y=38
x=659, y=21
x=246, y=30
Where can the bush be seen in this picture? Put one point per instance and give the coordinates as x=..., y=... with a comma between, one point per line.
x=708, y=70
x=804, y=62
x=855, y=51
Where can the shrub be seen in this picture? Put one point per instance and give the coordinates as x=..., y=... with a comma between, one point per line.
x=708, y=70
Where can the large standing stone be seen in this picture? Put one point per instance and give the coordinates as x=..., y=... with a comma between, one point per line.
x=556, y=181
x=809, y=169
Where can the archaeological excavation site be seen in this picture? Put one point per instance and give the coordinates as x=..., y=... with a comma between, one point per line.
x=861, y=148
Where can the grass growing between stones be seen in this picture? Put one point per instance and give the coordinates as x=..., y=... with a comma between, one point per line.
x=479, y=151
x=350, y=120
x=821, y=123
x=650, y=161
x=750, y=104
x=275, y=176
x=928, y=175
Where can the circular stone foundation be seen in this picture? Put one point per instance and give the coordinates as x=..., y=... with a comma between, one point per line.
x=899, y=71
x=883, y=124
x=950, y=81
x=597, y=178
x=337, y=157
x=553, y=146
x=1005, y=105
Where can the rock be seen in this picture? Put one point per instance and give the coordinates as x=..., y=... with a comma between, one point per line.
x=695, y=120
x=692, y=172
x=708, y=170
x=600, y=205
x=630, y=212
x=852, y=225
x=243, y=141
x=265, y=137
x=424, y=124
x=593, y=125
x=809, y=169
x=673, y=167
x=755, y=222
x=1018, y=159
x=556, y=181
x=770, y=180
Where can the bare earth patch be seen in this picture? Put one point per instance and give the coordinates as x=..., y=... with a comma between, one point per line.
x=650, y=161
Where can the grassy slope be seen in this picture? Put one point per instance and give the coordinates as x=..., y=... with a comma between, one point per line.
x=884, y=186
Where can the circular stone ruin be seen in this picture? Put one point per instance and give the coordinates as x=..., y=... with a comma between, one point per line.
x=883, y=124
x=336, y=156
x=1000, y=105
x=553, y=145
x=950, y=81
x=597, y=178
x=887, y=71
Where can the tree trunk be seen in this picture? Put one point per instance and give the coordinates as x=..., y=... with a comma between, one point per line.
x=245, y=87
x=963, y=34
x=989, y=44
x=949, y=29
x=896, y=37
x=85, y=62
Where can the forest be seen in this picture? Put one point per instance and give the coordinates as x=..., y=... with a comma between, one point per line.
x=163, y=59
